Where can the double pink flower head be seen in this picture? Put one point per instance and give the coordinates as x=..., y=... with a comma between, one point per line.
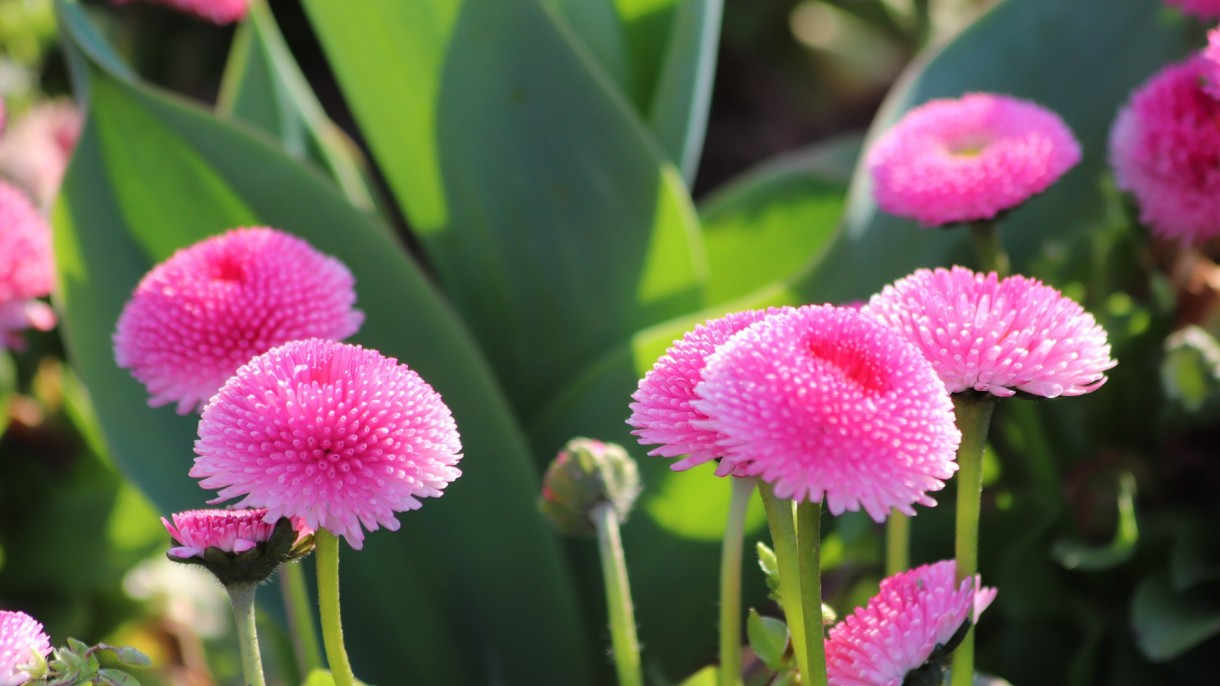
x=21, y=639
x=822, y=402
x=968, y=159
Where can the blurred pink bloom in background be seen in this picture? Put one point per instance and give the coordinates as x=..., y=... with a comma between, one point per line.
x=21, y=636
x=27, y=267
x=215, y=11
x=961, y=160
x=1204, y=9
x=35, y=149
x=1165, y=150
x=204, y=312
x=896, y=633
x=335, y=434
x=662, y=413
x=996, y=336
x=823, y=401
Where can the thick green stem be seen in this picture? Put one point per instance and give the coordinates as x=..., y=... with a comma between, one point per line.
x=987, y=247
x=241, y=596
x=782, y=522
x=897, y=543
x=973, y=419
x=730, y=582
x=326, y=550
x=623, y=640
x=300, y=619
x=808, y=548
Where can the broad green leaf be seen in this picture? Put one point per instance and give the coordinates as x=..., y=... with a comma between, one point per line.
x=1168, y=623
x=152, y=174
x=1048, y=51
x=679, y=108
x=544, y=207
x=768, y=638
x=772, y=222
x=647, y=28
x=264, y=87
x=596, y=25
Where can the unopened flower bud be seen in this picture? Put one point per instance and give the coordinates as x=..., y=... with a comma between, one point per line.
x=586, y=474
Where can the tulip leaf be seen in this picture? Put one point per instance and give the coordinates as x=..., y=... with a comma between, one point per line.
x=551, y=219
x=1168, y=623
x=152, y=174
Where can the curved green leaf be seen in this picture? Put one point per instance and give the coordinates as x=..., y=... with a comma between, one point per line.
x=263, y=86
x=771, y=223
x=152, y=174
x=1168, y=623
x=545, y=209
x=647, y=26
x=1072, y=57
x=679, y=108
x=597, y=25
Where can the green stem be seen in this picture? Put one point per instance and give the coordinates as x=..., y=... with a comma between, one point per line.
x=973, y=419
x=781, y=521
x=623, y=640
x=730, y=582
x=897, y=543
x=300, y=619
x=241, y=596
x=987, y=247
x=326, y=550
x=808, y=548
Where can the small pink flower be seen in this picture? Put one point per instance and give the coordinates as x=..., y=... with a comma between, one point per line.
x=335, y=434
x=21, y=636
x=824, y=401
x=997, y=336
x=1165, y=150
x=27, y=268
x=662, y=412
x=215, y=11
x=35, y=151
x=1204, y=9
x=951, y=161
x=204, y=312
x=233, y=531
x=896, y=633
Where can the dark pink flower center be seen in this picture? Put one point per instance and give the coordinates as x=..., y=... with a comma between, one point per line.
x=852, y=362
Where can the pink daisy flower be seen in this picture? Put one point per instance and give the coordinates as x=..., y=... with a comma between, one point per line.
x=825, y=402
x=1165, y=150
x=901, y=627
x=27, y=267
x=951, y=161
x=1204, y=9
x=35, y=151
x=21, y=636
x=215, y=11
x=204, y=312
x=662, y=412
x=233, y=531
x=335, y=434
x=996, y=336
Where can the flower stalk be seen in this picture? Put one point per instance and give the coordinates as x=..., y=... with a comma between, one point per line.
x=730, y=582
x=327, y=552
x=973, y=412
x=897, y=543
x=623, y=640
x=988, y=250
x=241, y=597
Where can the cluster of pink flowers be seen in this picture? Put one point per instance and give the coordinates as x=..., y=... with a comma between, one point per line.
x=967, y=159
x=21, y=638
x=27, y=270
x=36, y=149
x=900, y=627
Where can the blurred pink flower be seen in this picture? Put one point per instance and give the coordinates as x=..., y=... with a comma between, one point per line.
x=204, y=312
x=662, y=413
x=961, y=160
x=1165, y=150
x=824, y=401
x=335, y=434
x=233, y=531
x=21, y=636
x=215, y=11
x=36, y=149
x=1211, y=79
x=896, y=633
x=1204, y=9
x=27, y=267
x=996, y=336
